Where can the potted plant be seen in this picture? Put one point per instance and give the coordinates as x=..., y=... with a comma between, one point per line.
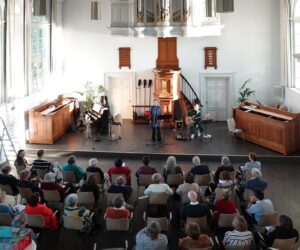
x=245, y=92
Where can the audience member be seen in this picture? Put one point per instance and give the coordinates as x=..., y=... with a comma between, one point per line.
x=90, y=185
x=189, y=185
x=21, y=163
x=120, y=187
x=198, y=168
x=120, y=169
x=150, y=238
x=7, y=179
x=40, y=163
x=145, y=169
x=72, y=209
x=94, y=169
x=171, y=168
x=71, y=166
x=194, y=209
x=284, y=230
x=225, y=181
x=119, y=210
x=25, y=181
x=5, y=208
x=225, y=166
x=158, y=187
x=253, y=163
x=34, y=208
x=225, y=205
x=259, y=206
x=194, y=238
x=240, y=236
x=256, y=182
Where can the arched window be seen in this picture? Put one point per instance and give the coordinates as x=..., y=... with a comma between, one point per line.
x=295, y=42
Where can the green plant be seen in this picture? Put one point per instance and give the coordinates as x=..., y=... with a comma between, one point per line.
x=245, y=92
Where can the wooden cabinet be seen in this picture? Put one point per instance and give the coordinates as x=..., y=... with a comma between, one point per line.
x=124, y=58
x=272, y=128
x=47, y=124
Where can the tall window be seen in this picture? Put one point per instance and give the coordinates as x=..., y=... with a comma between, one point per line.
x=295, y=42
x=2, y=49
x=40, y=49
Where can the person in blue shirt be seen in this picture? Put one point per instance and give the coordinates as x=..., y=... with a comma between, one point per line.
x=71, y=166
x=155, y=111
x=256, y=182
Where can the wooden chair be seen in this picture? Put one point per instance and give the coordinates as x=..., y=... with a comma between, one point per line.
x=144, y=180
x=158, y=198
x=202, y=180
x=244, y=247
x=86, y=199
x=36, y=221
x=41, y=172
x=201, y=221
x=111, y=196
x=174, y=179
x=225, y=220
x=164, y=222
x=97, y=176
x=247, y=194
x=5, y=219
x=232, y=129
x=267, y=220
x=204, y=248
x=25, y=193
x=73, y=223
x=115, y=176
x=284, y=244
x=117, y=224
x=69, y=177
x=52, y=198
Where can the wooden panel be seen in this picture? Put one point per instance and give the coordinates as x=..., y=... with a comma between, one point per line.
x=124, y=58
x=167, y=54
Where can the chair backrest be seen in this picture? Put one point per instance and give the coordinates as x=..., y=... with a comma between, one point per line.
x=174, y=179
x=118, y=118
x=247, y=194
x=41, y=172
x=201, y=221
x=244, y=247
x=219, y=194
x=284, y=244
x=163, y=222
x=86, y=198
x=225, y=220
x=231, y=124
x=145, y=179
x=158, y=198
x=7, y=189
x=96, y=174
x=268, y=219
x=202, y=180
x=69, y=176
x=111, y=196
x=25, y=192
x=117, y=224
x=5, y=219
x=35, y=221
x=51, y=195
x=73, y=222
x=205, y=248
x=115, y=176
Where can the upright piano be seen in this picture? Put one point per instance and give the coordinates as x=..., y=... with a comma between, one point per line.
x=50, y=121
x=269, y=127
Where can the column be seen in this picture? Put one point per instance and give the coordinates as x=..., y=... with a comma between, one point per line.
x=163, y=12
x=186, y=12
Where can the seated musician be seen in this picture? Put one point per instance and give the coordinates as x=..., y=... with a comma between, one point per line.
x=195, y=120
x=103, y=121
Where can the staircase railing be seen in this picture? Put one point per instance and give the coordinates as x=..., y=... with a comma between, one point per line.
x=188, y=91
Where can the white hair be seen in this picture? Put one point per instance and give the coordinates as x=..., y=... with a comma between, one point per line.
x=93, y=162
x=256, y=172
x=196, y=160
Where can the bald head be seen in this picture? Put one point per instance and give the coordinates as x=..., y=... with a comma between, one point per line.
x=192, y=196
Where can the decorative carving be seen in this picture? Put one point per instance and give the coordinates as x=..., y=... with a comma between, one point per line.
x=140, y=16
x=163, y=15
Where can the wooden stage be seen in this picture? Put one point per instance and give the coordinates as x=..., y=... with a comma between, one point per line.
x=136, y=142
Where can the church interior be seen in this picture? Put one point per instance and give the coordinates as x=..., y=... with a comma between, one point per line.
x=149, y=124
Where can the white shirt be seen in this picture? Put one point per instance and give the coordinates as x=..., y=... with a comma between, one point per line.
x=158, y=188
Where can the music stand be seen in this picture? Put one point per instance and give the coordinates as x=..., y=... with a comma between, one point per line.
x=205, y=123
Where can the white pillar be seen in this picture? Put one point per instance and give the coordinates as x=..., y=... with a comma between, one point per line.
x=163, y=12
x=186, y=12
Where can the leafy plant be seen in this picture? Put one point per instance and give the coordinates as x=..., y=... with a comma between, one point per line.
x=245, y=92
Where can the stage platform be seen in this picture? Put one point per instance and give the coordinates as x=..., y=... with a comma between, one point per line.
x=136, y=141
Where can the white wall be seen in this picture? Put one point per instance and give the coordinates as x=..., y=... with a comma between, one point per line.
x=249, y=46
x=292, y=99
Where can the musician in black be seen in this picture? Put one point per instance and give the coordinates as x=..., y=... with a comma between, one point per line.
x=103, y=121
x=155, y=111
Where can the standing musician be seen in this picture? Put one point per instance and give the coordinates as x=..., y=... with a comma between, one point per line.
x=195, y=120
x=155, y=111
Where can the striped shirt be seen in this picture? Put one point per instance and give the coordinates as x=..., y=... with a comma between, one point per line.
x=236, y=238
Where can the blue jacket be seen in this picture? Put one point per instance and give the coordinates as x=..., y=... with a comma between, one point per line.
x=256, y=183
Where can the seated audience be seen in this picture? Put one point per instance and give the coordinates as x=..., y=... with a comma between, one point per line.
x=21, y=163
x=189, y=185
x=90, y=185
x=40, y=163
x=225, y=182
x=225, y=166
x=7, y=179
x=119, y=210
x=71, y=166
x=34, y=208
x=158, y=187
x=253, y=163
x=150, y=238
x=71, y=209
x=120, y=169
x=225, y=205
x=171, y=168
x=240, y=236
x=5, y=208
x=198, y=168
x=194, y=209
x=284, y=230
x=259, y=206
x=194, y=238
x=94, y=169
x=145, y=169
x=25, y=181
x=256, y=182
x=120, y=187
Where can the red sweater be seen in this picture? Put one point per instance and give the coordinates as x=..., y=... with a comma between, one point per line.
x=114, y=213
x=120, y=170
x=47, y=213
x=224, y=207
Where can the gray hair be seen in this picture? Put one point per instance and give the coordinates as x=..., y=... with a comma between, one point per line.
x=171, y=164
x=256, y=172
x=153, y=230
x=196, y=160
x=93, y=162
x=225, y=161
x=156, y=178
x=50, y=177
x=120, y=181
x=72, y=200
